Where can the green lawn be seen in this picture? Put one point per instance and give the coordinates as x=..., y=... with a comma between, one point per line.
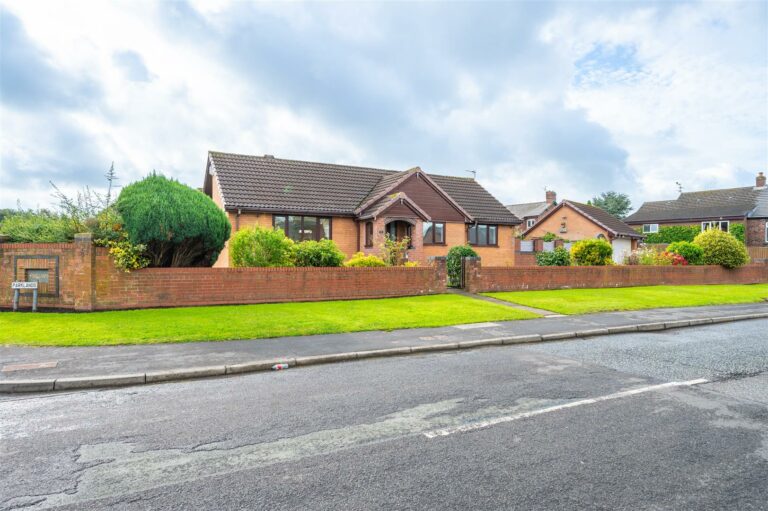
x=582, y=301
x=246, y=321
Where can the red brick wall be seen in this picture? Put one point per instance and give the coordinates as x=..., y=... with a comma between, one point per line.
x=755, y=232
x=481, y=279
x=88, y=280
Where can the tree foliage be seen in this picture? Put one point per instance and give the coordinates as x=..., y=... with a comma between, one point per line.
x=260, y=247
x=40, y=226
x=180, y=226
x=453, y=262
x=592, y=252
x=722, y=248
x=615, y=203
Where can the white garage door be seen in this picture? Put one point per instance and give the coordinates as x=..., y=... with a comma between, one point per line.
x=621, y=248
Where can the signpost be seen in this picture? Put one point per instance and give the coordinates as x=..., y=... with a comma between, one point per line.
x=17, y=287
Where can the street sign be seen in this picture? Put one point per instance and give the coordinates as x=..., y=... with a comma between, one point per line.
x=23, y=285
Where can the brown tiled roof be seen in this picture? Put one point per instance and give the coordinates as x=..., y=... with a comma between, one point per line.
x=260, y=183
x=596, y=215
x=726, y=203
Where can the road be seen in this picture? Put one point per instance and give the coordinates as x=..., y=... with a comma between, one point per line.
x=545, y=426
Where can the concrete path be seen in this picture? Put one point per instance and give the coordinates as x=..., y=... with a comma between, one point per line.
x=170, y=361
x=490, y=299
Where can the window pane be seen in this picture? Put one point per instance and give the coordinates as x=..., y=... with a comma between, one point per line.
x=491, y=234
x=310, y=228
x=325, y=228
x=473, y=235
x=724, y=226
x=369, y=234
x=294, y=228
x=428, y=231
x=279, y=222
x=439, y=233
x=482, y=234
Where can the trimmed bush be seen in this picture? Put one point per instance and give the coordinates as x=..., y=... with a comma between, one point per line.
x=318, y=253
x=453, y=262
x=259, y=247
x=722, y=248
x=549, y=236
x=673, y=233
x=693, y=254
x=558, y=257
x=592, y=252
x=179, y=225
x=39, y=227
x=360, y=260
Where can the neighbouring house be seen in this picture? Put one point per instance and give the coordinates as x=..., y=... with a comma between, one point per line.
x=574, y=221
x=719, y=209
x=529, y=212
x=357, y=206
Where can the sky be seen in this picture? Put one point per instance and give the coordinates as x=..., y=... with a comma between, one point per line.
x=578, y=97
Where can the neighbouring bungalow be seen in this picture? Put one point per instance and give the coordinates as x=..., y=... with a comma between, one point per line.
x=574, y=221
x=711, y=209
x=529, y=212
x=357, y=206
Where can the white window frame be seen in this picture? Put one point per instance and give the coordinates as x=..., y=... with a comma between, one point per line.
x=652, y=228
x=716, y=224
x=766, y=231
x=530, y=223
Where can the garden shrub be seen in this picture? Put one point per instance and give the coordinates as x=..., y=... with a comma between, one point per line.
x=549, y=236
x=411, y=264
x=393, y=252
x=558, y=257
x=318, y=253
x=126, y=256
x=692, y=253
x=39, y=227
x=645, y=256
x=592, y=252
x=738, y=232
x=673, y=233
x=722, y=248
x=179, y=225
x=360, y=260
x=453, y=262
x=259, y=247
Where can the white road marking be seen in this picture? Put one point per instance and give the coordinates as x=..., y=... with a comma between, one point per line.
x=524, y=415
x=475, y=325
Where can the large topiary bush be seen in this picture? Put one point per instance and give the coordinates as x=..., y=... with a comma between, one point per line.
x=558, y=257
x=592, y=252
x=722, y=248
x=180, y=226
x=259, y=247
x=453, y=262
x=318, y=253
x=691, y=252
x=360, y=260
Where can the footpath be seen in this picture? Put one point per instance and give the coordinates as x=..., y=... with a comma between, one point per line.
x=45, y=369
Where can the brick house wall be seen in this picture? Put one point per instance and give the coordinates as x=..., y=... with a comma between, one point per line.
x=755, y=232
x=577, y=226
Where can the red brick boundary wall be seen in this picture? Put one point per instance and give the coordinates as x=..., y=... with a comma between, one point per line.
x=83, y=278
x=481, y=279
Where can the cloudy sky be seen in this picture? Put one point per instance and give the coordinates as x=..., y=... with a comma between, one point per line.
x=578, y=97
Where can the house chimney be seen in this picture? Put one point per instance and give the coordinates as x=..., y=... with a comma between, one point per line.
x=551, y=196
x=760, y=180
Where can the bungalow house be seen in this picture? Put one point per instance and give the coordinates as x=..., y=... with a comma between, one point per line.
x=718, y=209
x=574, y=221
x=529, y=212
x=357, y=206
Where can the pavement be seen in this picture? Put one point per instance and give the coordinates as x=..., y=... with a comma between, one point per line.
x=26, y=369
x=664, y=420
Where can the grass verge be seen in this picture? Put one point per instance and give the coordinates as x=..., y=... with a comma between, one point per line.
x=582, y=301
x=246, y=321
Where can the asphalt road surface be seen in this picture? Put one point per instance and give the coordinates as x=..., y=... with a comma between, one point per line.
x=670, y=420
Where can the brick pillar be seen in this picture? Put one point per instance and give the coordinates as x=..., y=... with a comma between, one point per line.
x=439, y=263
x=472, y=267
x=83, y=274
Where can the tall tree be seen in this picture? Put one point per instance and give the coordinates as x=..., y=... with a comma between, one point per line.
x=615, y=203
